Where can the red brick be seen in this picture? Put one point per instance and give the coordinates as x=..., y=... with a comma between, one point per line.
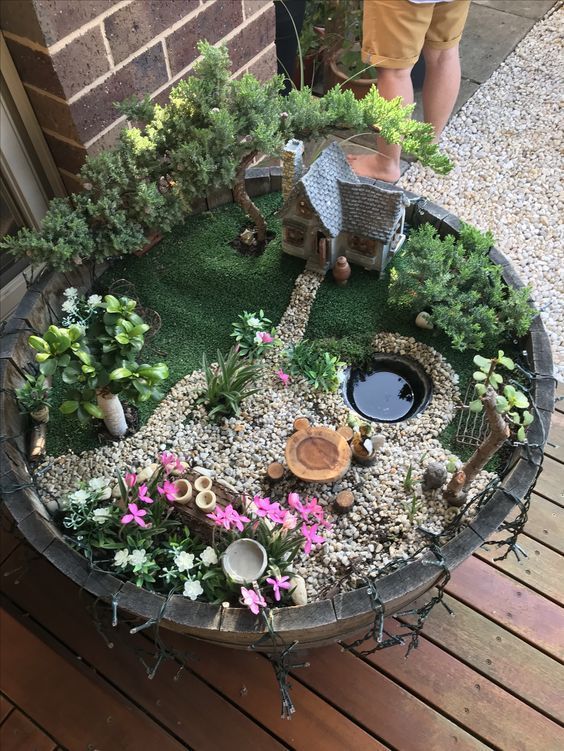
x=108, y=140
x=58, y=18
x=35, y=68
x=212, y=24
x=19, y=17
x=81, y=61
x=265, y=67
x=95, y=110
x=53, y=115
x=131, y=27
x=253, y=6
x=66, y=155
x=252, y=39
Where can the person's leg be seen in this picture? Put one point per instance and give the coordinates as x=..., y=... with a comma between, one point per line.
x=441, y=85
x=385, y=163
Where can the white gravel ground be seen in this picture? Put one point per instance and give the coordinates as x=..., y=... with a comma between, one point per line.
x=507, y=143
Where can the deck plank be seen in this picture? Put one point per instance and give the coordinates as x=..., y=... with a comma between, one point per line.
x=470, y=699
x=19, y=733
x=541, y=570
x=499, y=655
x=189, y=707
x=551, y=481
x=555, y=444
x=545, y=523
x=248, y=680
x=68, y=700
x=374, y=700
x=6, y=707
x=510, y=604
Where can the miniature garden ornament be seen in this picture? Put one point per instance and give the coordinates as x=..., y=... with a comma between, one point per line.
x=244, y=561
x=182, y=492
x=202, y=483
x=435, y=476
x=206, y=500
x=341, y=271
x=298, y=593
x=423, y=321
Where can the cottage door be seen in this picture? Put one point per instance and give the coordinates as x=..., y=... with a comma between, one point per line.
x=322, y=248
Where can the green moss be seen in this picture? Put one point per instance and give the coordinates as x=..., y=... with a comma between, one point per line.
x=198, y=284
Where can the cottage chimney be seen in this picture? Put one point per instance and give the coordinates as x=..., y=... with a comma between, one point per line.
x=292, y=165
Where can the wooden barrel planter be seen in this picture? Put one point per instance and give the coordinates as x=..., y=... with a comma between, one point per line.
x=311, y=625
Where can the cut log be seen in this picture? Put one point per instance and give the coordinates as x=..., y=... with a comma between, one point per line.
x=346, y=432
x=196, y=519
x=275, y=471
x=301, y=423
x=318, y=455
x=343, y=502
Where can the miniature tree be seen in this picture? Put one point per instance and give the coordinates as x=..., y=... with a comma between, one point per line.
x=204, y=138
x=506, y=412
x=98, y=360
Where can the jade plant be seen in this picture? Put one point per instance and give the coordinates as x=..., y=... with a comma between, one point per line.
x=211, y=130
x=99, y=363
x=460, y=286
x=507, y=413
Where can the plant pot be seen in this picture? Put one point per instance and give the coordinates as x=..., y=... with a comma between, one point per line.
x=202, y=483
x=40, y=415
x=244, y=561
x=206, y=501
x=360, y=87
x=311, y=61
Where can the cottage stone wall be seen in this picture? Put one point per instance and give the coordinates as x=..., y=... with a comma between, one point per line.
x=77, y=57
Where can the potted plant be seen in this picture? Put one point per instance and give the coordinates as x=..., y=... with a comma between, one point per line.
x=312, y=44
x=34, y=398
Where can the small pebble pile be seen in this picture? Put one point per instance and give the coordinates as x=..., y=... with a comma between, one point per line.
x=506, y=143
x=384, y=519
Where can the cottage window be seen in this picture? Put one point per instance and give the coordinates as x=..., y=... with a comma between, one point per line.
x=364, y=245
x=294, y=235
x=304, y=209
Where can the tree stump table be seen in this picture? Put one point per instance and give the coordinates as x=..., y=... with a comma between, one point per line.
x=318, y=455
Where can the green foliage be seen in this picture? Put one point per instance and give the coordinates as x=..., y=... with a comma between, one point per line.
x=321, y=369
x=461, y=287
x=510, y=401
x=100, y=356
x=249, y=333
x=200, y=141
x=227, y=384
x=356, y=351
x=409, y=479
x=34, y=394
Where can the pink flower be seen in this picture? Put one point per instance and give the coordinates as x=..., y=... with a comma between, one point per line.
x=311, y=536
x=262, y=505
x=295, y=503
x=317, y=511
x=228, y=516
x=253, y=600
x=135, y=515
x=130, y=479
x=278, y=583
x=143, y=495
x=168, y=489
x=290, y=521
x=263, y=337
x=284, y=377
x=171, y=462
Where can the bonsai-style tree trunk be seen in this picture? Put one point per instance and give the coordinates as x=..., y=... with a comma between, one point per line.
x=242, y=199
x=455, y=492
x=112, y=410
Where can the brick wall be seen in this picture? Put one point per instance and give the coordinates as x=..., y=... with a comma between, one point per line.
x=77, y=57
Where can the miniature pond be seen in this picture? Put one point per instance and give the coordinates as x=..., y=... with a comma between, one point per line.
x=199, y=294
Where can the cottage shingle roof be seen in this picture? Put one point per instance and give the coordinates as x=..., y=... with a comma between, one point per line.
x=345, y=203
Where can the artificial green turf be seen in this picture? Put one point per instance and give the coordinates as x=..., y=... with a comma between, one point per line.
x=199, y=285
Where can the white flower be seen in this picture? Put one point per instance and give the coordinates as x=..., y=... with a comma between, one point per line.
x=192, y=589
x=68, y=306
x=137, y=557
x=121, y=558
x=98, y=483
x=70, y=292
x=79, y=497
x=101, y=515
x=254, y=322
x=94, y=300
x=184, y=561
x=209, y=556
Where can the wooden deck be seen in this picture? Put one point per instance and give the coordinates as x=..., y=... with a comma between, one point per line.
x=492, y=677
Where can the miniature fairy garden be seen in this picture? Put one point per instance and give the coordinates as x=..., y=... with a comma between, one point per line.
x=290, y=417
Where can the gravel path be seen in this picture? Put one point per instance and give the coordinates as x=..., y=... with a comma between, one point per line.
x=507, y=143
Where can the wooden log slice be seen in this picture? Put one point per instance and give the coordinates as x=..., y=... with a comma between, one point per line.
x=318, y=455
x=301, y=423
x=346, y=432
x=275, y=471
x=343, y=502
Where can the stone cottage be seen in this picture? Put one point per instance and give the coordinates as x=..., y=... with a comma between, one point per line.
x=329, y=212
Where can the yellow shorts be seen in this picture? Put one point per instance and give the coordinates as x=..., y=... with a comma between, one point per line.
x=395, y=31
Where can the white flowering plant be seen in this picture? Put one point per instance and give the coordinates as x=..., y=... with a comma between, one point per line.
x=78, y=309
x=254, y=334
